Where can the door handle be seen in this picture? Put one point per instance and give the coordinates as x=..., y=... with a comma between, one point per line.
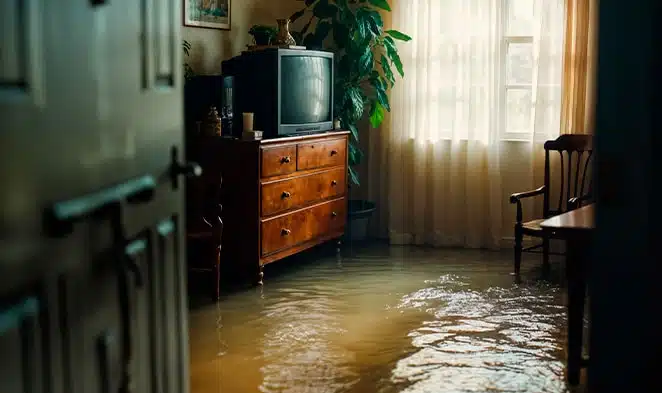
x=188, y=169
x=61, y=216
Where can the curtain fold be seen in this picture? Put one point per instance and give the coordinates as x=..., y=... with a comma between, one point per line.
x=579, y=67
x=481, y=93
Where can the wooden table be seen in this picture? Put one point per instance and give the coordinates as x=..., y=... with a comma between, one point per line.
x=576, y=228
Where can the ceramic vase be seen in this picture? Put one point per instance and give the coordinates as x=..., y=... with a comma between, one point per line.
x=284, y=37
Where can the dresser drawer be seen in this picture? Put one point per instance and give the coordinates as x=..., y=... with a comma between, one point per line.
x=321, y=154
x=279, y=160
x=282, y=195
x=302, y=226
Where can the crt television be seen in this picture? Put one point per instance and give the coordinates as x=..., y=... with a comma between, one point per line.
x=289, y=91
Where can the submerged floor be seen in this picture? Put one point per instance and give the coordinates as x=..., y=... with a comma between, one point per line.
x=385, y=319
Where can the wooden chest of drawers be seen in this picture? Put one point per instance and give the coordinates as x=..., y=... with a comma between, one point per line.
x=279, y=196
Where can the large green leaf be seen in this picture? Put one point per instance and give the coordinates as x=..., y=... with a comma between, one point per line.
x=321, y=32
x=380, y=92
x=355, y=95
x=364, y=23
x=354, y=130
x=307, y=26
x=309, y=40
x=375, y=23
x=295, y=16
x=392, y=52
x=398, y=35
x=366, y=62
x=386, y=67
x=389, y=44
x=340, y=34
x=361, y=32
x=345, y=16
x=376, y=115
x=354, y=176
x=344, y=68
x=355, y=154
x=383, y=4
x=323, y=9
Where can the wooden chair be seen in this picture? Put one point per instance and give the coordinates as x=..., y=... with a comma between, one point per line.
x=574, y=189
x=204, y=229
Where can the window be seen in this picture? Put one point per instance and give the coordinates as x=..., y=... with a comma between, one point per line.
x=531, y=91
x=482, y=69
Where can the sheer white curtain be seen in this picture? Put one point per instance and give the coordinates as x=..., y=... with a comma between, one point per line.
x=481, y=93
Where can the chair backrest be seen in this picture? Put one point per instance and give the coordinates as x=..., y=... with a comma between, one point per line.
x=575, y=153
x=203, y=201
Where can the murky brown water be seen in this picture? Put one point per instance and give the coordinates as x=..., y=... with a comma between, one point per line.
x=385, y=320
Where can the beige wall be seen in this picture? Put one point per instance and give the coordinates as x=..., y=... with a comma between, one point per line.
x=210, y=47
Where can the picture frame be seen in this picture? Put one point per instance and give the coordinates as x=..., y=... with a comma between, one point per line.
x=209, y=14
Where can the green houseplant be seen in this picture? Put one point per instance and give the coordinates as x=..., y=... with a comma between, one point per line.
x=366, y=59
x=366, y=63
x=263, y=34
x=188, y=71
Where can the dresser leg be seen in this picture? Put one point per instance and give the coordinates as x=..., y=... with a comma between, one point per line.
x=260, y=275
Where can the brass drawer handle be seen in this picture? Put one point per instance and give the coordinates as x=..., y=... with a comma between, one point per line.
x=334, y=152
x=285, y=232
x=285, y=160
x=334, y=214
x=334, y=183
x=285, y=195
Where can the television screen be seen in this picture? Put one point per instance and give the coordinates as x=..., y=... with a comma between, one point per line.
x=306, y=89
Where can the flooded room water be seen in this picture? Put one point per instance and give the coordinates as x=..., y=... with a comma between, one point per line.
x=385, y=319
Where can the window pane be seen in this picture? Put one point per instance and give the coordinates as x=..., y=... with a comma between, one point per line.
x=548, y=110
x=519, y=64
x=518, y=110
x=520, y=18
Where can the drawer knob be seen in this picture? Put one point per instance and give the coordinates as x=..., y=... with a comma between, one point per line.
x=285, y=232
x=334, y=152
x=285, y=159
x=334, y=214
x=286, y=194
x=334, y=183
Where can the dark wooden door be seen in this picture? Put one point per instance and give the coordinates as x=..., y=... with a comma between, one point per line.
x=92, y=275
x=624, y=277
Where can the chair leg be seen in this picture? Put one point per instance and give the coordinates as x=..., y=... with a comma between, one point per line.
x=545, y=255
x=518, y=247
x=217, y=274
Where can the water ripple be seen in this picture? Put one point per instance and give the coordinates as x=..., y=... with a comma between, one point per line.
x=369, y=327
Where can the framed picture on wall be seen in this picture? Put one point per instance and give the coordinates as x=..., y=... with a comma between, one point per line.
x=212, y=14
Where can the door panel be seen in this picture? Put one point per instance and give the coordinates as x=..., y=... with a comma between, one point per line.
x=91, y=97
x=21, y=333
x=168, y=255
x=625, y=264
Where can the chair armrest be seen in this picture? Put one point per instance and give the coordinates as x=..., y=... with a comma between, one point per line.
x=515, y=198
x=577, y=202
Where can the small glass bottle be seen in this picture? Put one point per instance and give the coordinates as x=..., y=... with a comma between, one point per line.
x=212, y=125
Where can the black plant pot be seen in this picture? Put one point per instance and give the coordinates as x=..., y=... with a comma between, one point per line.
x=262, y=38
x=359, y=213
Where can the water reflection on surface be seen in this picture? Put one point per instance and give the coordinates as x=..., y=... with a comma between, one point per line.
x=386, y=320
